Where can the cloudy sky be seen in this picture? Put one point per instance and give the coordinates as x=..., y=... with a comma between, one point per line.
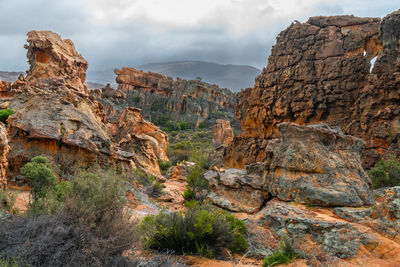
x=114, y=33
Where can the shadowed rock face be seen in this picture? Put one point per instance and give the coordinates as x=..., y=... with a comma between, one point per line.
x=157, y=95
x=312, y=164
x=57, y=118
x=319, y=71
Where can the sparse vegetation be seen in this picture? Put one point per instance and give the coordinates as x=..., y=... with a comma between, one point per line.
x=202, y=231
x=385, y=173
x=5, y=113
x=151, y=186
x=91, y=228
x=7, y=201
x=285, y=255
x=168, y=125
x=164, y=165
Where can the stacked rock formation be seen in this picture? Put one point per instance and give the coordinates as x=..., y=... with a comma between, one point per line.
x=323, y=71
x=4, y=149
x=222, y=133
x=190, y=101
x=55, y=116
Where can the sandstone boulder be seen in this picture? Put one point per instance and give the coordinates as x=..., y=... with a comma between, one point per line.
x=222, y=133
x=315, y=165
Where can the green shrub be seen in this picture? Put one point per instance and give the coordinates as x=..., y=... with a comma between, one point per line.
x=202, y=125
x=5, y=113
x=154, y=190
x=283, y=256
x=164, y=165
x=189, y=195
x=385, y=173
x=196, y=182
x=9, y=263
x=201, y=230
x=40, y=175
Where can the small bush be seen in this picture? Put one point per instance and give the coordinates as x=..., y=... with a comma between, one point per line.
x=201, y=230
x=189, y=194
x=164, y=165
x=196, y=182
x=5, y=113
x=385, y=173
x=283, y=256
x=40, y=175
x=154, y=190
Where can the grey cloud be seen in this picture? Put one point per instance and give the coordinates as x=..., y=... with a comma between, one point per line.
x=114, y=42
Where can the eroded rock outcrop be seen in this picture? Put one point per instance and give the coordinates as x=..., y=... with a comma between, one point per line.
x=4, y=149
x=145, y=141
x=322, y=71
x=157, y=95
x=57, y=118
x=222, y=133
x=313, y=164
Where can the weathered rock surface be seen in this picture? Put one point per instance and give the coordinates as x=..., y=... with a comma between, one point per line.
x=222, y=133
x=308, y=164
x=320, y=71
x=4, y=149
x=190, y=101
x=57, y=118
x=145, y=141
x=323, y=238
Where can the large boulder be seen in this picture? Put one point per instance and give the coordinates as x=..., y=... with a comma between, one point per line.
x=222, y=133
x=315, y=165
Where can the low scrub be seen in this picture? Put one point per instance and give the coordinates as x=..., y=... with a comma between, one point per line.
x=164, y=165
x=285, y=255
x=151, y=186
x=385, y=173
x=201, y=230
x=7, y=201
x=89, y=227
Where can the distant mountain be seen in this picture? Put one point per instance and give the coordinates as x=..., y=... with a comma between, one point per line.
x=9, y=76
x=234, y=77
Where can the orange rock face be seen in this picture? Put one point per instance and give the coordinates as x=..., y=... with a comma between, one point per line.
x=144, y=140
x=321, y=71
x=4, y=149
x=222, y=133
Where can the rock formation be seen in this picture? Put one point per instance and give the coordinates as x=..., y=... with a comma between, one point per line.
x=56, y=117
x=190, y=101
x=323, y=71
x=4, y=149
x=146, y=142
x=222, y=133
x=314, y=165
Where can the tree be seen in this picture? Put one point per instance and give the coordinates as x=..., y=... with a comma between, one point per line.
x=41, y=176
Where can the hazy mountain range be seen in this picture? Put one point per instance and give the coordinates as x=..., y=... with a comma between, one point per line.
x=234, y=77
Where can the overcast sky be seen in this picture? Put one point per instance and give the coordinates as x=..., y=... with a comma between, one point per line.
x=115, y=33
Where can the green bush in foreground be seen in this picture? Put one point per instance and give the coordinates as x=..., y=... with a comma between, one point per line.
x=7, y=200
x=385, y=173
x=283, y=256
x=40, y=175
x=202, y=231
x=5, y=113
